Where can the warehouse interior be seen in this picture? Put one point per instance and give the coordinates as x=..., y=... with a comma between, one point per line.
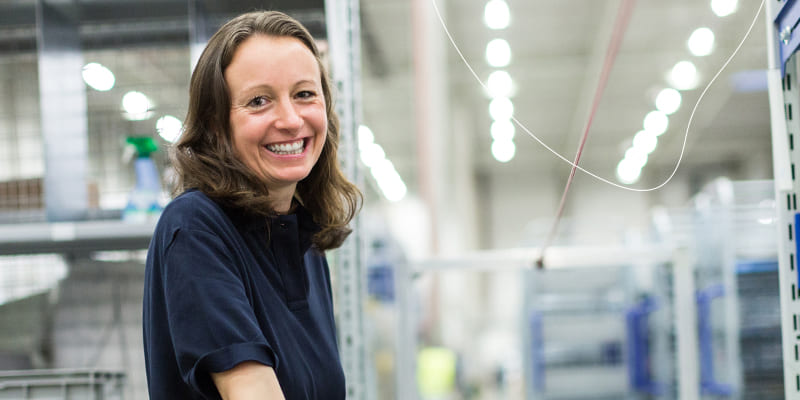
x=667, y=275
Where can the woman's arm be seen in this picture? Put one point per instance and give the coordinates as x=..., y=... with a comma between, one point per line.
x=249, y=380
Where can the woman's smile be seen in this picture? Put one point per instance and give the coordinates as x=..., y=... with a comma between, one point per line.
x=293, y=148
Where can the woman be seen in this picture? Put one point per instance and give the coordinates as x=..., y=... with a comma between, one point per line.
x=237, y=301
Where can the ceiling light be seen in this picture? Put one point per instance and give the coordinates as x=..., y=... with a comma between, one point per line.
x=500, y=84
x=98, y=77
x=394, y=189
x=668, y=101
x=724, y=7
x=503, y=150
x=501, y=109
x=365, y=137
x=372, y=154
x=645, y=141
x=388, y=180
x=502, y=130
x=636, y=157
x=627, y=172
x=169, y=128
x=136, y=106
x=496, y=14
x=684, y=76
x=656, y=122
x=498, y=53
x=701, y=42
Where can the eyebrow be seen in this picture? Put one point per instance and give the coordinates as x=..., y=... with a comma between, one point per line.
x=262, y=86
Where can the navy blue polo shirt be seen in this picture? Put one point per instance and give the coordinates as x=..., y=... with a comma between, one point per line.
x=223, y=287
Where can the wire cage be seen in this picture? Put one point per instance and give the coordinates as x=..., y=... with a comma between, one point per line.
x=729, y=228
x=62, y=384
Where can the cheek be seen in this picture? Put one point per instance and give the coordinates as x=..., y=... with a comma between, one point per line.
x=321, y=122
x=323, y=135
x=242, y=144
x=245, y=132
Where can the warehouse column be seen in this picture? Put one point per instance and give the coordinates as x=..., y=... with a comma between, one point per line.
x=430, y=115
x=62, y=100
x=199, y=30
x=344, y=34
x=430, y=111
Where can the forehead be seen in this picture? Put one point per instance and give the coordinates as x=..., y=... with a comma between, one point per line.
x=266, y=53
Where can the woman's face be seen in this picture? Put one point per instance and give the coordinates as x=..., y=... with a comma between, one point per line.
x=278, y=120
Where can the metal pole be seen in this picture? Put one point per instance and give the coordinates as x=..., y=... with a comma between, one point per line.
x=783, y=96
x=62, y=95
x=343, y=29
x=685, y=326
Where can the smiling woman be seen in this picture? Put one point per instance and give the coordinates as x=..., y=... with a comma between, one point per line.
x=278, y=121
x=237, y=297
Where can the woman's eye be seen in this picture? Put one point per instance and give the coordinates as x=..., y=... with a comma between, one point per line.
x=306, y=94
x=258, y=101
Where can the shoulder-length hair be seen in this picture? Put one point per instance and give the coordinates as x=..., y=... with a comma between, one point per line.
x=204, y=156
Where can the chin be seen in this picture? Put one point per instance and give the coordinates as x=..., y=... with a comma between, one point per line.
x=292, y=177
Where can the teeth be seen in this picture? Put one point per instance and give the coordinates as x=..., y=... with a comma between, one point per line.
x=286, y=148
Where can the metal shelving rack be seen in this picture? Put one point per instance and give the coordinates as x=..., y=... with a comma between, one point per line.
x=783, y=40
x=343, y=28
x=62, y=384
x=729, y=230
x=566, y=304
x=575, y=260
x=73, y=237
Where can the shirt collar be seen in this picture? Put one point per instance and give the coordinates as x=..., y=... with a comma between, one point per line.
x=306, y=226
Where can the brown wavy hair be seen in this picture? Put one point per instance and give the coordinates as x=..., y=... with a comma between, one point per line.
x=204, y=156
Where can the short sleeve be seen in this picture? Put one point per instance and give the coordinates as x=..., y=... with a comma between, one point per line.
x=211, y=321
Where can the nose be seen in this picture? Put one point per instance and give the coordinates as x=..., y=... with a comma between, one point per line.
x=288, y=117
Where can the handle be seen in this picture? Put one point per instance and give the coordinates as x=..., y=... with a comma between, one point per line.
x=708, y=385
x=639, y=373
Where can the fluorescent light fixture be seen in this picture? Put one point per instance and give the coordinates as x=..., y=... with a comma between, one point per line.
x=169, y=128
x=503, y=150
x=683, y=76
x=394, y=189
x=496, y=14
x=502, y=130
x=500, y=84
x=498, y=53
x=382, y=170
x=372, y=154
x=98, y=77
x=668, y=101
x=724, y=7
x=656, y=122
x=627, y=172
x=365, y=137
x=501, y=108
x=388, y=180
x=701, y=42
x=636, y=157
x=136, y=106
x=645, y=141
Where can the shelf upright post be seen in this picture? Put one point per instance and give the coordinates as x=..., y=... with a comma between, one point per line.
x=200, y=30
x=784, y=97
x=344, y=33
x=685, y=325
x=406, y=331
x=62, y=105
